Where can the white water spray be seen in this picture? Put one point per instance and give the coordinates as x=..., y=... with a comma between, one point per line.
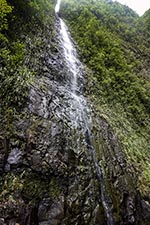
x=57, y=7
x=70, y=55
x=69, y=52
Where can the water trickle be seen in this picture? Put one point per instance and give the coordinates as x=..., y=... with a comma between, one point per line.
x=79, y=111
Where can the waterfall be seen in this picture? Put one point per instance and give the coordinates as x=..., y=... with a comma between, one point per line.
x=80, y=116
x=57, y=7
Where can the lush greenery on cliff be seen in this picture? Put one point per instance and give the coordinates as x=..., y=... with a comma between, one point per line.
x=21, y=27
x=49, y=171
x=114, y=43
x=26, y=28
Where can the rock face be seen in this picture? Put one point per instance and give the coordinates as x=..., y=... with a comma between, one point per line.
x=48, y=172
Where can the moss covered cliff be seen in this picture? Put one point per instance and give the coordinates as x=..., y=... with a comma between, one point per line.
x=47, y=171
x=113, y=43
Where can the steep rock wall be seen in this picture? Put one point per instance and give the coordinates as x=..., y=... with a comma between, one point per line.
x=48, y=174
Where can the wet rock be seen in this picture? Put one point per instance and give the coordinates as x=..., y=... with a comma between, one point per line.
x=1, y=221
x=14, y=157
x=54, y=150
x=12, y=222
x=120, y=178
x=55, y=130
x=39, y=104
x=50, y=212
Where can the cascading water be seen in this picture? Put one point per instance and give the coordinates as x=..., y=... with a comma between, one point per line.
x=70, y=56
x=79, y=116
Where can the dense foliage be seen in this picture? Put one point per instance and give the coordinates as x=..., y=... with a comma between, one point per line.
x=112, y=43
x=19, y=23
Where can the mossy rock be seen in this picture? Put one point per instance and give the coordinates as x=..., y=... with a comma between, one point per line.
x=54, y=188
x=34, y=187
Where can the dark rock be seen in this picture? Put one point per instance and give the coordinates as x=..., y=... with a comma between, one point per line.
x=39, y=104
x=14, y=157
x=1, y=221
x=50, y=212
x=4, y=143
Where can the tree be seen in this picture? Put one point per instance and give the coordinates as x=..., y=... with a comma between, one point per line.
x=5, y=10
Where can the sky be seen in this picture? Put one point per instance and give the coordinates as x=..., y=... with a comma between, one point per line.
x=140, y=6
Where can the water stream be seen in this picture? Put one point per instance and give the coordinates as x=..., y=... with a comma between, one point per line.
x=80, y=116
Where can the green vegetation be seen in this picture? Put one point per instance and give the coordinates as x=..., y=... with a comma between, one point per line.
x=31, y=186
x=26, y=27
x=54, y=188
x=21, y=26
x=34, y=187
x=112, y=44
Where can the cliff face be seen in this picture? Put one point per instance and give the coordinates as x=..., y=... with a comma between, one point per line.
x=48, y=172
x=113, y=43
